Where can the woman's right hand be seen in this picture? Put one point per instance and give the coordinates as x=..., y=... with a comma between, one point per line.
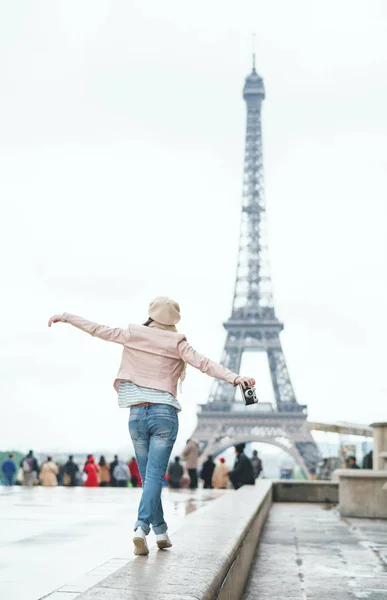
x=245, y=381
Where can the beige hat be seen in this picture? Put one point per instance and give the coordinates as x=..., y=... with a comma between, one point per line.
x=164, y=310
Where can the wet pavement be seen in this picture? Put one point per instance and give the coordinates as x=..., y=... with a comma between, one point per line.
x=51, y=536
x=308, y=552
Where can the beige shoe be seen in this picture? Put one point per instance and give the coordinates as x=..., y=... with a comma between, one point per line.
x=140, y=543
x=163, y=541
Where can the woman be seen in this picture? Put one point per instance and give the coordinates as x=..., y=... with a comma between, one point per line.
x=220, y=475
x=154, y=358
x=92, y=471
x=48, y=473
x=191, y=456
x=104, y=472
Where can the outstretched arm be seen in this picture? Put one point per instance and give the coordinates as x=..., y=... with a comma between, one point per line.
x=109, y=334
x=211, y=368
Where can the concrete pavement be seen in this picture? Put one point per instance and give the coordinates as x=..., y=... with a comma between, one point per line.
x=308, y=552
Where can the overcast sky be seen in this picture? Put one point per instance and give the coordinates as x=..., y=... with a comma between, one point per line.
x=121, y=157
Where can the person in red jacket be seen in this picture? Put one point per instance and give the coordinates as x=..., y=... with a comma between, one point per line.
x=91, y=469
x=135, y=473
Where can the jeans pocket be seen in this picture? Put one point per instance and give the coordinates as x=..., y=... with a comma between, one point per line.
x=165, y=427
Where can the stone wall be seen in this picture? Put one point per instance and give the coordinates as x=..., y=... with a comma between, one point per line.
x=306, y=491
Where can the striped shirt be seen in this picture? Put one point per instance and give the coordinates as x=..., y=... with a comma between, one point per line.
x=130, y=394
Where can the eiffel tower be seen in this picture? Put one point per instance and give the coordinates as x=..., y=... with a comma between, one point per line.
x=254, y=326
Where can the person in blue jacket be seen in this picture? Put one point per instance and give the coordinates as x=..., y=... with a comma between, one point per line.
x=9, y=470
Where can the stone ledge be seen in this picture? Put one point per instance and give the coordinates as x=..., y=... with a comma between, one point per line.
x=360, y=473
x=211, y=556
x=306, y=491
x=361, y=493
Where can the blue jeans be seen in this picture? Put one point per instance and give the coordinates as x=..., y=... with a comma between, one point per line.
x=153, y=429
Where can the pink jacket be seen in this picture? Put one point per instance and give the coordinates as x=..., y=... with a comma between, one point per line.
x=152, y=357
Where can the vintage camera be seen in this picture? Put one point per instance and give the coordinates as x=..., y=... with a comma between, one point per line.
x=249, y=395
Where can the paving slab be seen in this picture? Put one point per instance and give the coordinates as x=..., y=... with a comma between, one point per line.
x=309, y=552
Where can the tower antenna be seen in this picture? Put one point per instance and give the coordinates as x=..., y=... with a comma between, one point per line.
x=253, y=40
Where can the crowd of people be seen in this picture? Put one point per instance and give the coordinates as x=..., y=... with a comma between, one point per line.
x=118, y=473
x=91, y=474
x=214, y=475
x=183, y=472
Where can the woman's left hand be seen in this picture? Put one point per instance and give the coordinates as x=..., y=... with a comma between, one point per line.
x=55, y=319
x=245, y=381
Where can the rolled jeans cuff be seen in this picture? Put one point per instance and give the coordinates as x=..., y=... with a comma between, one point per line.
x=144, y=526
x=158, y=529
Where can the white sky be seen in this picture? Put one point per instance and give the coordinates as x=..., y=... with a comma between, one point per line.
x=121, y=157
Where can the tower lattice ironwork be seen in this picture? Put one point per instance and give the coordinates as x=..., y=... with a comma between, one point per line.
x=253, y=324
